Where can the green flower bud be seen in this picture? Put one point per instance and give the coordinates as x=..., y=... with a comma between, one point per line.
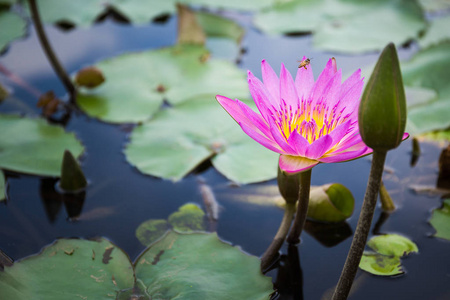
x=382, y=111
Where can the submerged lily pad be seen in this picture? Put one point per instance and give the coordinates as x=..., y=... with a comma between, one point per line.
x=188, y=218
x=381, y=265
x=440, y=220
x=392, y=245
x=12, y=26
x=350, y=26
x=2, y=186
x=200, y=266
x=137, y=84
x=189, y=266
x=33, y=146
x=429, y=69
x=178, y=139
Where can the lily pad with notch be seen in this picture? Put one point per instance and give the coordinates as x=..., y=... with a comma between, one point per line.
x=180, y=138
x=350, y=26
x=440, y=220
x=204, y=268
x=137, y=84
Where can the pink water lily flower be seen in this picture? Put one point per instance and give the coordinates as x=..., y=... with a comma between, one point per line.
x=308, y=122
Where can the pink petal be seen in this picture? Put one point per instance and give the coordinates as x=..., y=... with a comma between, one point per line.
x=347, y=143
x=332, y=88
x=263, y=140
x=349, y=82
x=345, y=156
x=279, y=138
x=241, y=113
x=298, y=143
x=304, y=81
x=349, y=101
x=296, y=164
x=263, y=99
x=339, y=132
x=270, y=79
x=405, y=136
x=287, y=88
x=319, y=147
x=322, y=81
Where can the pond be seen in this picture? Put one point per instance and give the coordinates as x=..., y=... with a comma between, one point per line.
x=119, y=197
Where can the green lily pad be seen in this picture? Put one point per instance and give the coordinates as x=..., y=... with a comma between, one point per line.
x=434, y=5
x=392, y=245
x=33, y=146
x=187, y=266
x=99, y=267
x=438, y=32
x=429, y=69
x=85, y=12
x=200, y=266
x=2, y=186
x=12, y=26
x=137, y=84
x=381, y=265
x=178, y=139
x=440, y=220
x=350, y=26
x=188, y=218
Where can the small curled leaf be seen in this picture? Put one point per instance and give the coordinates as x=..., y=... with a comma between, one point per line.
x=89, y=77
x=330, y=203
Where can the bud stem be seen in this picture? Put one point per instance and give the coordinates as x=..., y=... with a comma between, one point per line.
x=362, y=229
x=302, y=208
x=268, y=257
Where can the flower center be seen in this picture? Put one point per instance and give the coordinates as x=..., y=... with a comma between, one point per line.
x=312, y=122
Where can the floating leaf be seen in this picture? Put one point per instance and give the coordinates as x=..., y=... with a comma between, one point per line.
x=178, y=139
x=382, y=265
x=435, y=5
x=12, y=27
x=2, y=186
x=187, y=266
x=348, y=26
x=188, y=218
x=200, y=266
x=217, y=26
x=392, y=245
x=440, y=220
x=438, y=32
x=151, y=230
x=429, y=69
x=99, y=267
x=137, y=84
x=33, y=146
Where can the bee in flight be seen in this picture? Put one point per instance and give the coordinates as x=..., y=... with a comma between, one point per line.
x=304, y=63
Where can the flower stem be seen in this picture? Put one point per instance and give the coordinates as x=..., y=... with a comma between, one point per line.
x=49, y=51
x=268, y=257
x=302, y=208
x=362, y=229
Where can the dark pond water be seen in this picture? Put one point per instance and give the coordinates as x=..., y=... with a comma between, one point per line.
x=119, y=197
